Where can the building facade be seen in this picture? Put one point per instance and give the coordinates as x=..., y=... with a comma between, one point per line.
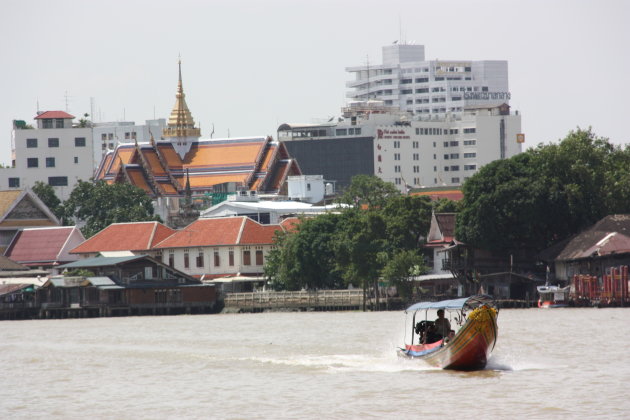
x=432, y=88
x=409, y=151
x=57, y=152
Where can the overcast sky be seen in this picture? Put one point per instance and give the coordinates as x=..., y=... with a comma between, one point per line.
x=250, y=65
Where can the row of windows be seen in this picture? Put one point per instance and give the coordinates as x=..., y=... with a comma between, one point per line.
x=55, y=181
x=216, y=257
x=456, y=168
x=52, y=123
x=50, y=162
x=348, y=131
x=454, y=180
x=54, y=142
x=110, y=136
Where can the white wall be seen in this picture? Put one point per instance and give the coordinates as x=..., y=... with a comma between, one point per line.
x=70, y=161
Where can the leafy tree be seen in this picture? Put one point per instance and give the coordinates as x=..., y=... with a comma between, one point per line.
x=400, y=267
x=306, y=258
x=100, y=204
x=545, y=194
x=444, y=205
x=369, y=191
x=46, y=193
x=408, y=219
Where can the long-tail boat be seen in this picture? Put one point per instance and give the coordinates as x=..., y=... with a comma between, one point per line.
x=467, y=349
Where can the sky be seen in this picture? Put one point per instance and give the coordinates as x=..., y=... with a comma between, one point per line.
x=250, y=65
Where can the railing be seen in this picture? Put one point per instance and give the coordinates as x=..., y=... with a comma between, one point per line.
x=329, y=299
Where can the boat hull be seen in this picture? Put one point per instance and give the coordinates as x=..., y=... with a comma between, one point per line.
x=468, y=350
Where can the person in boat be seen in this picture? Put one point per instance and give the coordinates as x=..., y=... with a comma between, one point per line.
x=442, y=325
x=430, y=335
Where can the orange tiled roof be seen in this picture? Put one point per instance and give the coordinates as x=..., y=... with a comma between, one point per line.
x=206, y=232
x=154, y=162
x=290, y=224
x=250, y=162
x=137, y=236
x=138, y=179
x=256, y=234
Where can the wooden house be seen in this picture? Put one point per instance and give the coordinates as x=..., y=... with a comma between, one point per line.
x=132, y=285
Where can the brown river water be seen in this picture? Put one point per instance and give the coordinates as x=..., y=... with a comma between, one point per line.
x=558, y=363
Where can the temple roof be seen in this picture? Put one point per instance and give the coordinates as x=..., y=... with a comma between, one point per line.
x=255, y=163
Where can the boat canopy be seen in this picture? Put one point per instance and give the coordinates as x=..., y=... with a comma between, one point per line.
x=471, y=302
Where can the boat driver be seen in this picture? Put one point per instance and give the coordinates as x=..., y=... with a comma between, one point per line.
x=442, y=324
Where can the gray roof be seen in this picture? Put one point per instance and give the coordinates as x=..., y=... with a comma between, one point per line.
x=100, y=281
x=101, y=261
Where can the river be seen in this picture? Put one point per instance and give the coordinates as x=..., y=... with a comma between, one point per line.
x=559, y=363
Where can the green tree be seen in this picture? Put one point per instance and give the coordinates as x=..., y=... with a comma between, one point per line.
x=46, y=193
x=100, y=204
x=400, y=267
x=369, y=191
x=408, y=220
x=306, y=258
x=545, y=194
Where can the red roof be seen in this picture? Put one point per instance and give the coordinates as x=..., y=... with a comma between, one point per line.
x=290, y=224
x=239, y=230
x=54, y=114
x=256, y=234
x=38, y=245
x=137, y=236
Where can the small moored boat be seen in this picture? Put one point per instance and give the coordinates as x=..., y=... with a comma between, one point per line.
x=553, y=296
x=467, y=349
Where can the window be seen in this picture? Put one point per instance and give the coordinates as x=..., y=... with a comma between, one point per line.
x=186, y=259
x=470, y=167
x=247, y=259
x=50, y=162
x=171, y=258
x=416, y=144
x=32, y=162
x=469, y=130
x=200, y=258
x=47, y=123
x=217, y=258
x=470, y=155
x=397, y=168
x=53, y=142
x=231, y=257
x=445, y=144
x=454, y=155
x=127, y=135
x=422, y=80
x=259, y=257
x=58, y=181
x=341, y=132
x=59, y=123
x=396, y=156
x=396, y=144
x=446, y=156
x=455, y=180
x=454, y=143
x=79, y=142
x=31, y=143
x=104, y=136
x=416, y=156
x=76, y=159
x=454, y=167
x=14, y=182
x=406, y=91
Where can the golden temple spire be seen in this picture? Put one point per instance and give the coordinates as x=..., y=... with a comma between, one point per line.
x=181, y=123
x=181, y=130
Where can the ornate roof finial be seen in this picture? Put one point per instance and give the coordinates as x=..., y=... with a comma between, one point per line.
x=181, y=130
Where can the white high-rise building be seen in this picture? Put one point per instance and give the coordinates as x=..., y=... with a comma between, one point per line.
x=409, y=151
x=433, y=88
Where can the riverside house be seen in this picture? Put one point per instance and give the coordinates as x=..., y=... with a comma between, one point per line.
x=228, y=250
